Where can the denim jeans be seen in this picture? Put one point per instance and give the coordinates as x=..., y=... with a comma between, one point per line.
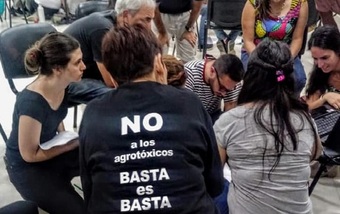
x=221, y=201
x=220, y=34
x=86, y=90
x=32, y=6
x=299, y=72
x=48, y=183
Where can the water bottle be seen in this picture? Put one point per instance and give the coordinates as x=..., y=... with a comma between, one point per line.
x=41, y=13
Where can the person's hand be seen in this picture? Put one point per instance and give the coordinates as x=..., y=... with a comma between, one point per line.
x=161, y=71
x=163, y=39
x=190, y=37
x=332, y=99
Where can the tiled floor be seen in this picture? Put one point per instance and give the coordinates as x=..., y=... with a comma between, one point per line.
x=325, y=198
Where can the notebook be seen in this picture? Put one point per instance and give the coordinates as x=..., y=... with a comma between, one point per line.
x=327, y=121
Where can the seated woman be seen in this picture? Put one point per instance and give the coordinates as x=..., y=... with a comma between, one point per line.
x=269, y=139
x=280, y=20
x=324, y=82
x=155, y=151
x=43, y=175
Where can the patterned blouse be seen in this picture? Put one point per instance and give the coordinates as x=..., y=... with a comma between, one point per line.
x=277, y=28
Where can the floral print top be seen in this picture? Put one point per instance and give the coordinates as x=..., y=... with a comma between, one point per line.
x=277, y=28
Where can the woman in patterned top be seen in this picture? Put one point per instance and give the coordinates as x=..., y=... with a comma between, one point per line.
x=324, y=82
x=280, y=20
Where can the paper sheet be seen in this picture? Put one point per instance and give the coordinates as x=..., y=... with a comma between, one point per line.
x=61, y=138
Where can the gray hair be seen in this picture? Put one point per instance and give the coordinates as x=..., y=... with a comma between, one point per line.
x=132, y=5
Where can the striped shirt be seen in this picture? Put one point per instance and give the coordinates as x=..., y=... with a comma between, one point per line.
x=212, y=103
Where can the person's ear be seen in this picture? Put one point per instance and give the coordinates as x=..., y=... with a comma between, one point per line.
x=160, y=70
x=126, y=17
x=57, y=70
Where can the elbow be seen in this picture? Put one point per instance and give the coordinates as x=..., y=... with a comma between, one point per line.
x=29, y=158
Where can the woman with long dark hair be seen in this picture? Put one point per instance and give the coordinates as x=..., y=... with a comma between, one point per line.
x=324, y=82
x=269, y=139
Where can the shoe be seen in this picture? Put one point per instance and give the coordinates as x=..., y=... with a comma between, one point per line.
x=230, y=46
x=12, y=12
x=220, y=47
x=210, y=44
x=33, y=18
x=19, y=11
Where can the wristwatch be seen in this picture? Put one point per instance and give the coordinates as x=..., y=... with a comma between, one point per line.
x=189, y=29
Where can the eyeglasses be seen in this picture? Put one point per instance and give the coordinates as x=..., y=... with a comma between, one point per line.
x=221, y=87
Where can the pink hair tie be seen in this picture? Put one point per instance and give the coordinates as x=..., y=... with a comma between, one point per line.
x=280, y=75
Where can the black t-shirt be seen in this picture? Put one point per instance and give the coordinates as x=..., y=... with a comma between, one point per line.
x=149, y=147
x=174, y=6
x=34, y=105
x=89, y=31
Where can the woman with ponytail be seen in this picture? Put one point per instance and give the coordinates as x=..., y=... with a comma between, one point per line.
x=40, y=173
x=269, y=139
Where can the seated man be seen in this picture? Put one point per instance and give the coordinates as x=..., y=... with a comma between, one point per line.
x=326, y=9
x=89, y=31
x=50, y=7
x=215, y=79
x=228, y=39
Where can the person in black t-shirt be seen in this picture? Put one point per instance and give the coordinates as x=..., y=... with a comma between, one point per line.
x=89, y=31
x=40, y=173
x=154, y=152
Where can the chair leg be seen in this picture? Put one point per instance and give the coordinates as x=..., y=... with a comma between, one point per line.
x=224, y=46
x=8, y=5
x=174, y=49
x=198, y=36
x=23, y=10
x=205, y=39
x=75, y=117
x=3, y=134
x=322, y=169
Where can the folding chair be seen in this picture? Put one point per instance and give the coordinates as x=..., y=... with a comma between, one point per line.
x=313, y=19
x=223, y=14
x=331, y=150
x=88, y=7
x=13, y=44
x=328, y=158
x=3, y=134
x=8, y=5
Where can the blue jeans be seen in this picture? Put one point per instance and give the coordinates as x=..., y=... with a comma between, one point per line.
x=221, y=201
x=220, y=34
x=299, y=72
x=48, y=183
x=86, y=90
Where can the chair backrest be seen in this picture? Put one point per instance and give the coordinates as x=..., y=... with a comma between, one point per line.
x=88, y=7
x=13, y=44
x=226, y=13
x=313, y=14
